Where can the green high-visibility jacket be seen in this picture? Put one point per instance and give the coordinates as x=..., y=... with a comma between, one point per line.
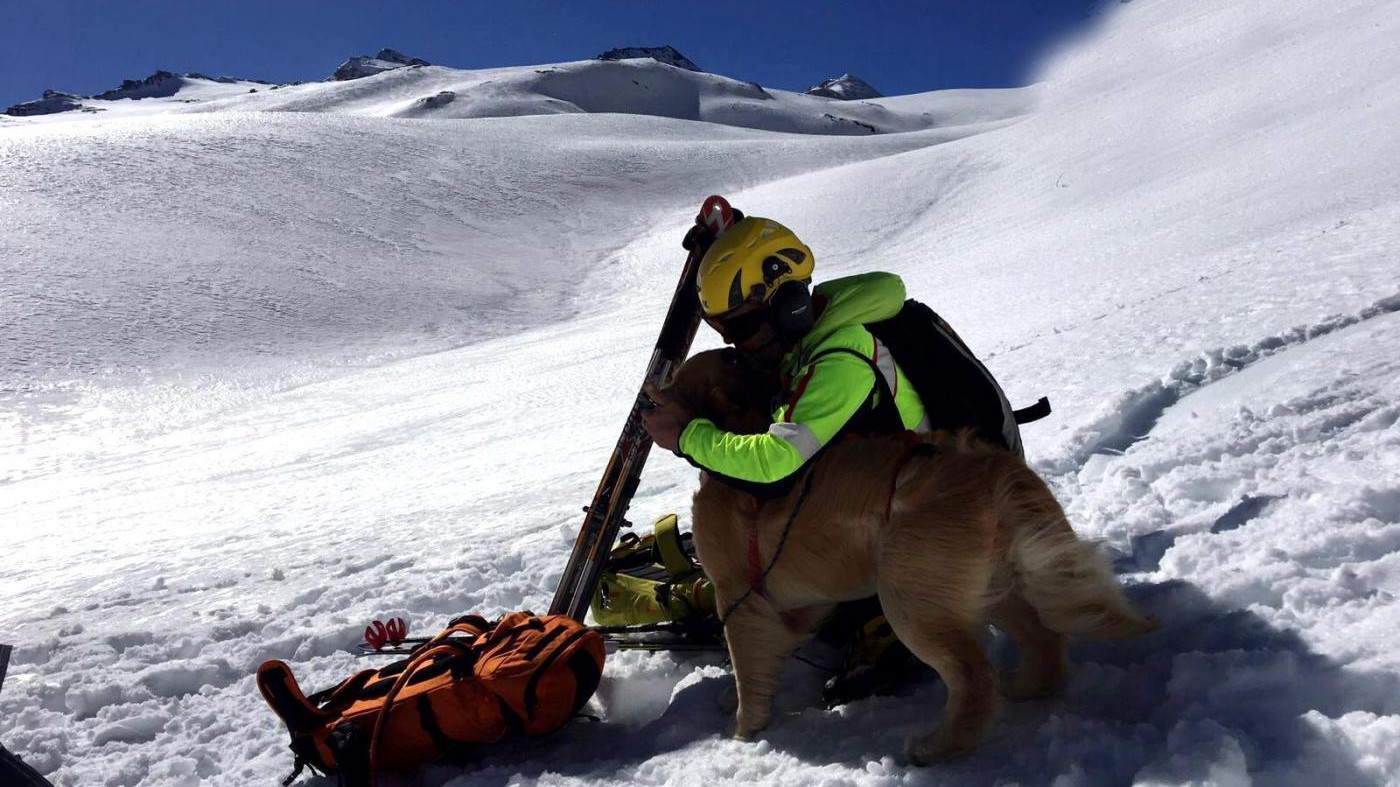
x=821, y=394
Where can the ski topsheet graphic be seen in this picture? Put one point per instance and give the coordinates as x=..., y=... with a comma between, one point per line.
x=604, y=516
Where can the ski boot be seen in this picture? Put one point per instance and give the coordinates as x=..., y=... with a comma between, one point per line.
x=875, y=662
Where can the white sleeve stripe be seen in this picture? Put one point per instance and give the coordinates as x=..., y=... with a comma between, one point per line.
x=884, y=361
x=799, y=436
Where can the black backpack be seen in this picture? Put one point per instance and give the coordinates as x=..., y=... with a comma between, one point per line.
x=956, y=389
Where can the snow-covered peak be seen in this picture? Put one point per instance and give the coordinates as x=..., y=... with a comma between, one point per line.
x=662, y=54
x=846, y=87
x=363, y=66
x=160, y=85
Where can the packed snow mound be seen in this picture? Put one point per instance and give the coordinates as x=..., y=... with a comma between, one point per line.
x=363, y=66
x=640, y=86
x=661, y=54
x=846, y=87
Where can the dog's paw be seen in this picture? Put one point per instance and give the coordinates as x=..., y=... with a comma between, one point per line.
x=747, y=730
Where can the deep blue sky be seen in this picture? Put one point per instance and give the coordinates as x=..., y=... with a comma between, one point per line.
x=899, y=47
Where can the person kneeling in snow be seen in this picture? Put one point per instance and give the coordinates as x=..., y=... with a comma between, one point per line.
x=834, y=377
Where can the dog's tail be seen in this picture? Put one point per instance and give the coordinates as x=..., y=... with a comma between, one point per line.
x=1067, y=580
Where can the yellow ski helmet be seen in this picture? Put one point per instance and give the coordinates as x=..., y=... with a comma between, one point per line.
x=753, y=258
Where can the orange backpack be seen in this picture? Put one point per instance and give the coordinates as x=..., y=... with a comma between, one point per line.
x=473, y=683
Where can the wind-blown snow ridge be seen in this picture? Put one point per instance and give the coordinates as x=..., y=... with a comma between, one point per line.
x=1129, y=417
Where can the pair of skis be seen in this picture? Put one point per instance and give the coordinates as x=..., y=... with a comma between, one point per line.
x=604, y=516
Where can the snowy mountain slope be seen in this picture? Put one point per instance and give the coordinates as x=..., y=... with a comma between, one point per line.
x=1190, y=248
x=218, y=257
x=640, y=86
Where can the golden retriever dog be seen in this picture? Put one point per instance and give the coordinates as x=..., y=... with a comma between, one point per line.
x=951, y=534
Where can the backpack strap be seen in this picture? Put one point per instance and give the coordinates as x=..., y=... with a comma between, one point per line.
x=669, y=551
x=470, y=624
x=437, y=646
x=300, y=715
x=1033, y=412
x=341, y=696
x=883, y=416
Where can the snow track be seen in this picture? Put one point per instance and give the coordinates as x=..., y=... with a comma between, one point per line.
x=1260, y=513
x=1131, y=416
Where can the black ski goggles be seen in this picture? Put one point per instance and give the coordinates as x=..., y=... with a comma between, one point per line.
x=738, y=325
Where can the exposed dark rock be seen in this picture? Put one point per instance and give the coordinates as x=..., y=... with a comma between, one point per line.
x=845, y=88
x=395, y=56
x=224, y=80
x=662, y=54
x=756, y=90
x=847, y=121
x=53, y=102
x=157, y=85
x=362, y=66
x=434, y=102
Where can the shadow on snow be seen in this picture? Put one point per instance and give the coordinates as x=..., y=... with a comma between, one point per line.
x=1214, y=693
